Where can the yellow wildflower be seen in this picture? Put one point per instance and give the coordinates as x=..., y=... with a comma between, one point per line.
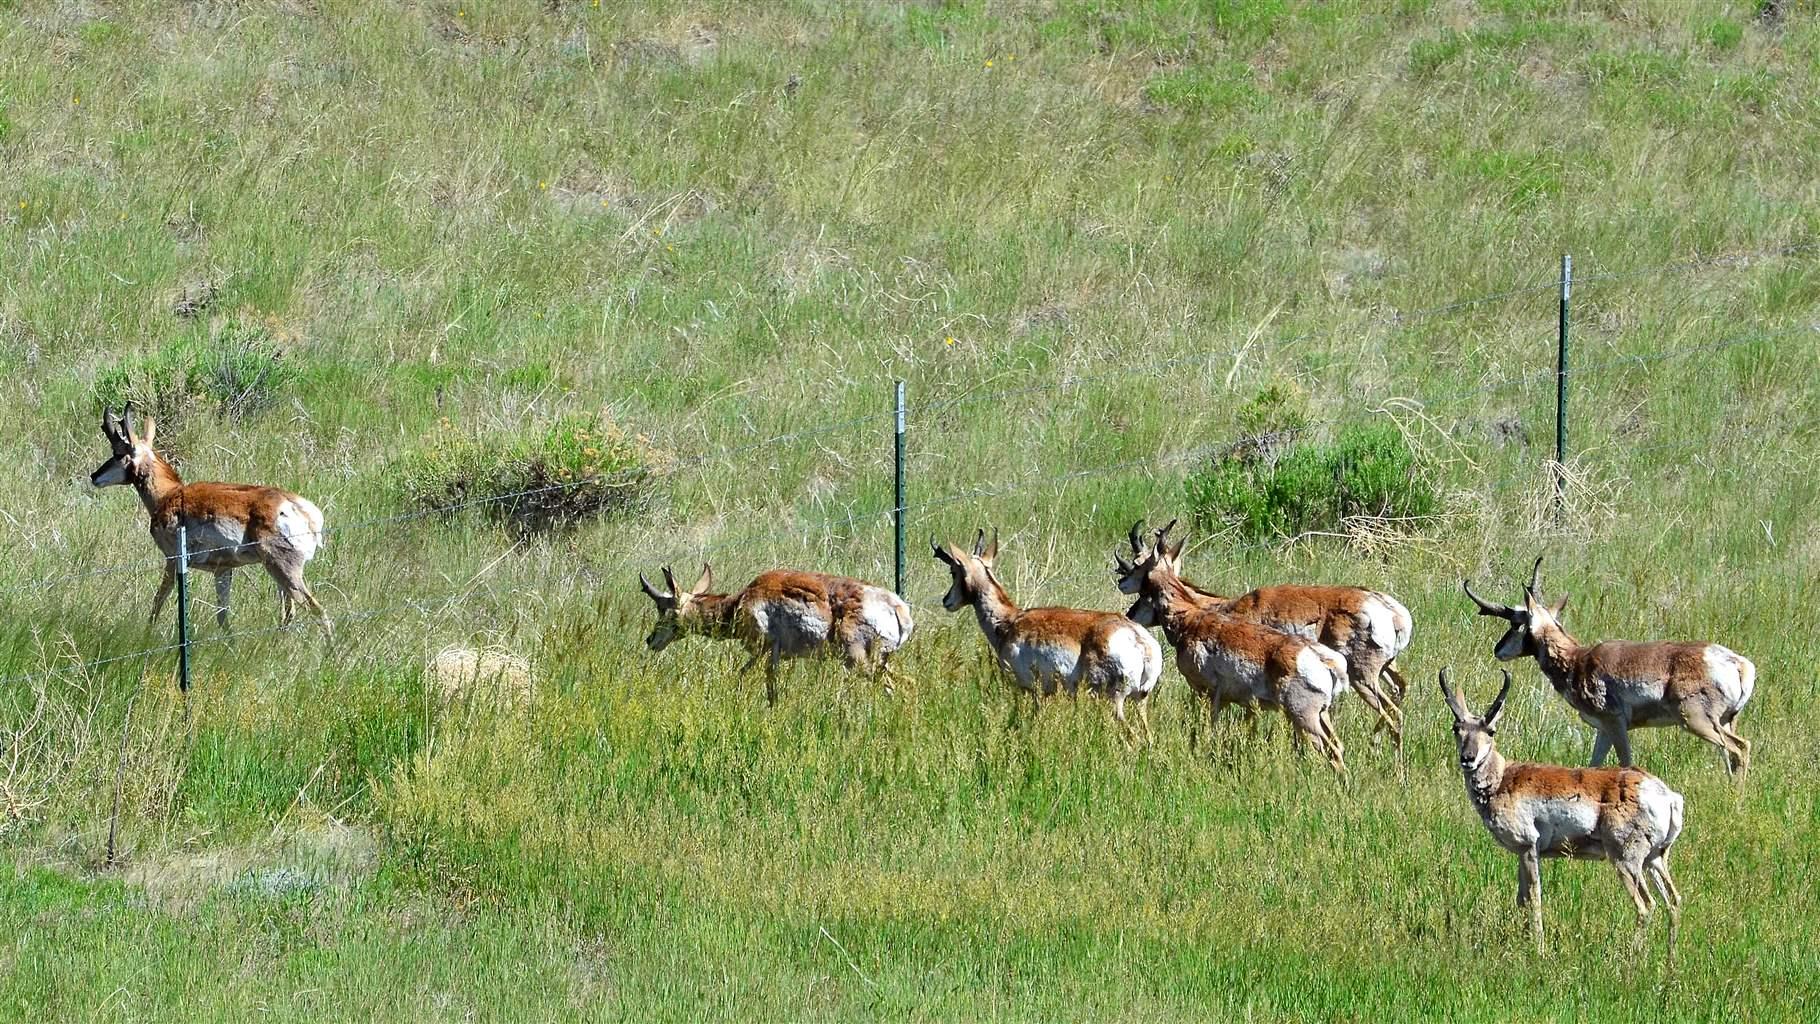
x=951, y=341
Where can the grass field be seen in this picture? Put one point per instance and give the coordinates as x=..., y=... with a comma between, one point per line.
x=1085, y=233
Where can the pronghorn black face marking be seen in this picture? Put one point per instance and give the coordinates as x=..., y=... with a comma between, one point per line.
x=131, y=458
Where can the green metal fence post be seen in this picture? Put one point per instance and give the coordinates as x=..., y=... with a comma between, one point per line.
x=183, y=609
x=897, y=513
x=1567, y=283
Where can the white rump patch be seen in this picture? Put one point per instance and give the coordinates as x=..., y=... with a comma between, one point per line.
x=300, y=522
x=1732, y=673
x=1381, y=617
x=888, y=616
x=1323, y=669
x=1138, y=657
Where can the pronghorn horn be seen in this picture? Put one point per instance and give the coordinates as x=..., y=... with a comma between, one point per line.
x=1535, y=578
x=1486, y=607
x=1163, y=534
x=650, y=591
x=1137, y=546
x=979, y=543
x=670, y=582
x=1497, y=706
x=108, y=426
x=126, y=422
x=940, y=552
x=1118, y=562
x=1454, y=703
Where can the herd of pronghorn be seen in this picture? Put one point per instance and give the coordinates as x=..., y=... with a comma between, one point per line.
x=1294, y=649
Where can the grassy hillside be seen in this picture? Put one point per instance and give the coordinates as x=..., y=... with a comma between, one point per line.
x=344, y=247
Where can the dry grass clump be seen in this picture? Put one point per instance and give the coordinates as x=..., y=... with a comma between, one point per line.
x=489, y=674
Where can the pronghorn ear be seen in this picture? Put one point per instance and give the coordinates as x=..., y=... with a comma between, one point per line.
x=991, y=555
x=705, y=582
x=126, y=424
x=1497, y=706
x=151, y=430
x=1560, y=606
x=1174, y=552
x=1454, y=703
x=1532, y=603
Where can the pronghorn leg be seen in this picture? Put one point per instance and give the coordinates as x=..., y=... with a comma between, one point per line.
x=887, y=674
x=1297, y=731
x=1194, y=720
x=1600, y=747
x=1632, y=873
x=284, y=598
x=1529, y=890
x=1711, y=732
x=1671, y=896
x=1380, y=706
x=1396, y=678
x=1740, y=751
x=1143, y=710
x=1336, y=751
x=1118, y=712
x=164, y=590
x=224, y=587
x=1214, y=706
x=1621, y=740
x=771, y=677
x=309, y=598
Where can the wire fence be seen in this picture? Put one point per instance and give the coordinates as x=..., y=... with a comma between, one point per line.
x=923, y=511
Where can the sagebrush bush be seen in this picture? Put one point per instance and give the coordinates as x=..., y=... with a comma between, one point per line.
x=576, y=469
x=236, y=370
x=1363, y=471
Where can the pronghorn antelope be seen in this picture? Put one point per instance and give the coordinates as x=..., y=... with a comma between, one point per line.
x=1368, y=628
x=786, y=614
x=1229, y=660
x=1623, y=815
x=229, y=525
x=1054, y=649
x=1618, y=685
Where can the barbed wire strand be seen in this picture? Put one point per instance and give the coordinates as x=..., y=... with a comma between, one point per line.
x=632, y=477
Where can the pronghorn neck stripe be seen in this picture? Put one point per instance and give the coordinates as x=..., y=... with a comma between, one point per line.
x=158, y=487
x=717, y=613
x=1555, y=650
x=1483, y=784
x=995, y=611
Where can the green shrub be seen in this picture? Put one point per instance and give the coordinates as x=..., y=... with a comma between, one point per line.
x=1280, y=407
x=1364, y=471
x=580, y=468
x=238, y=370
